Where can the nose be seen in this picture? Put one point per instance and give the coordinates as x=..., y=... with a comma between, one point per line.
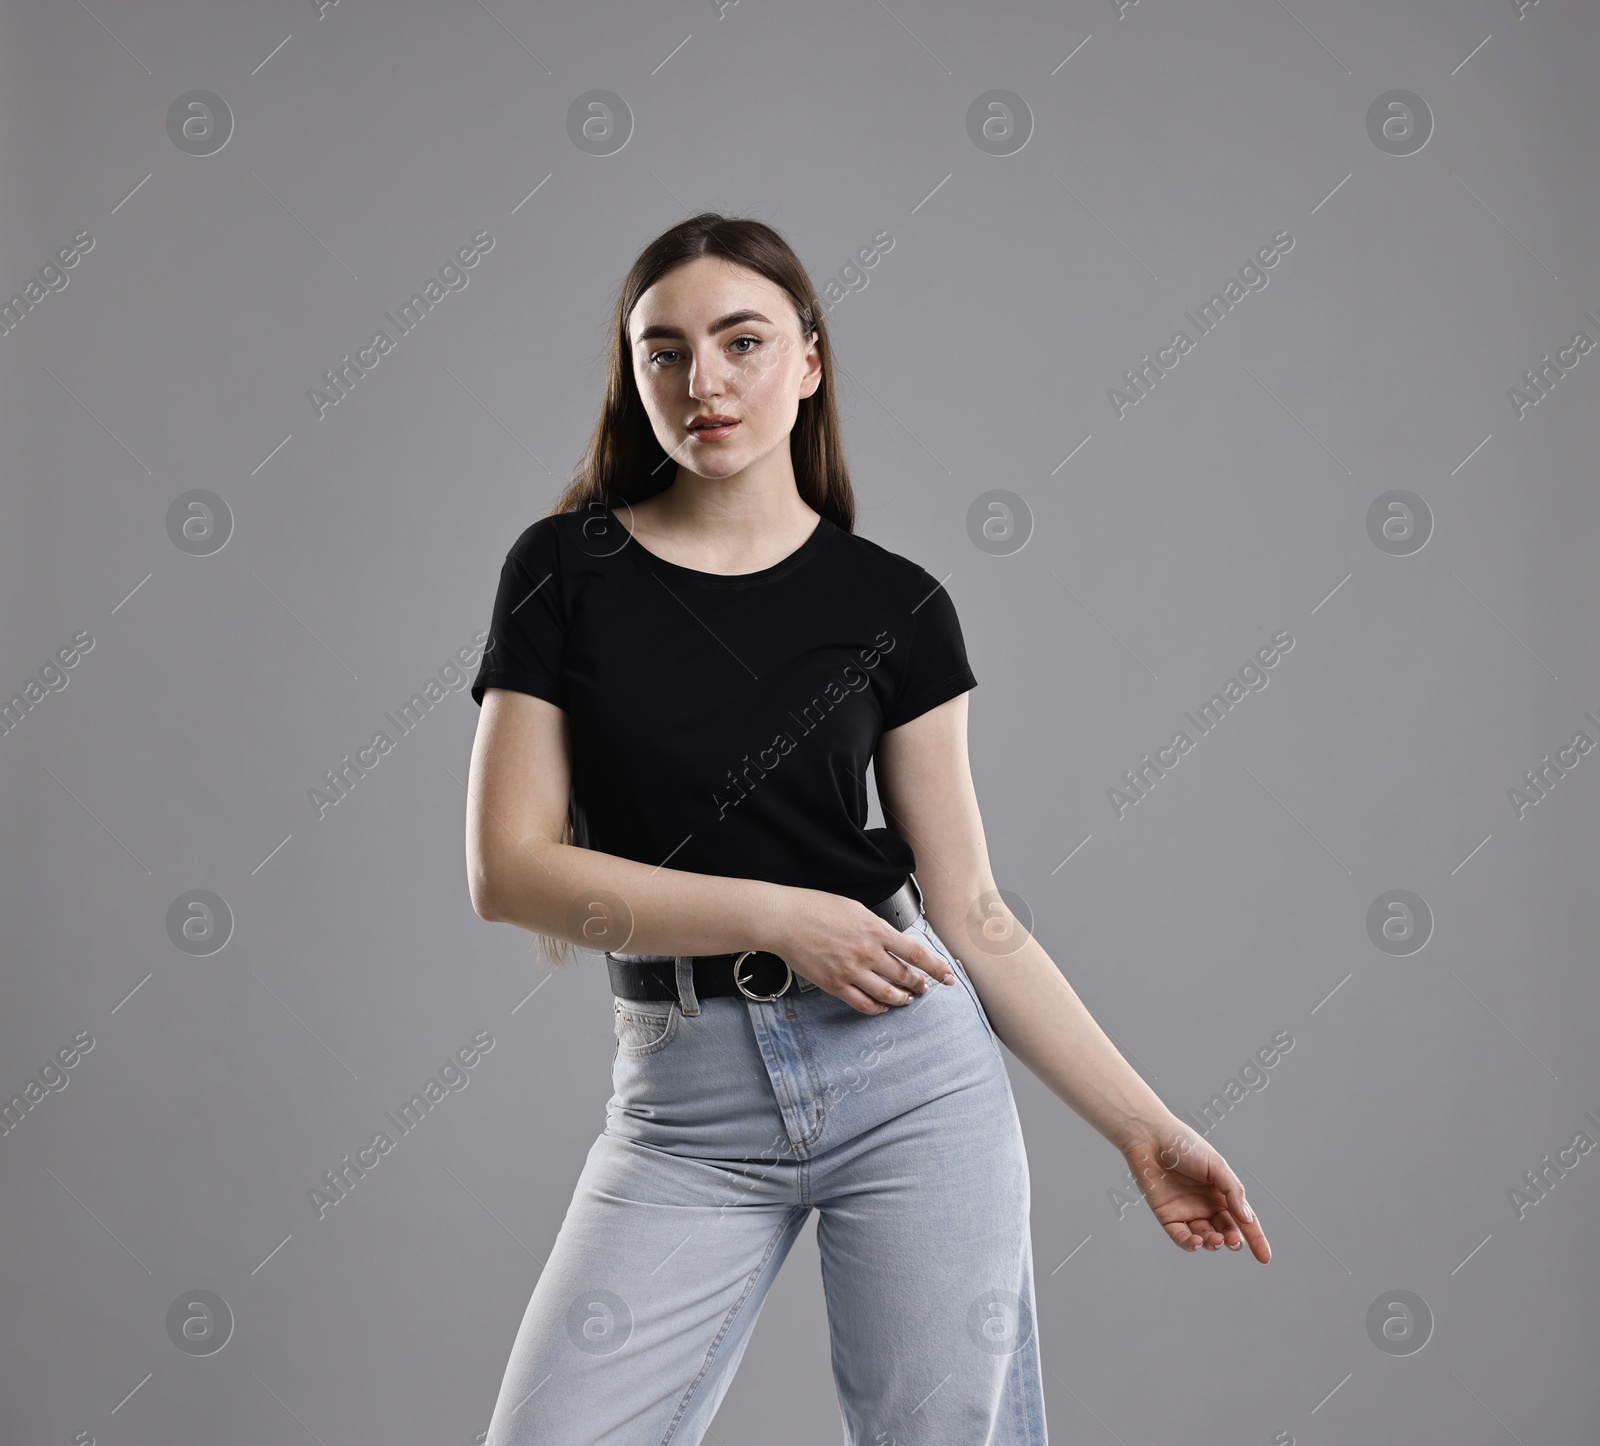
x=709, y=374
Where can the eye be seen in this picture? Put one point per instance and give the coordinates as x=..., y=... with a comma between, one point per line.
x=669, y=352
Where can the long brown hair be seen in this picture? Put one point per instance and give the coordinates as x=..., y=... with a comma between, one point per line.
x=624, y=461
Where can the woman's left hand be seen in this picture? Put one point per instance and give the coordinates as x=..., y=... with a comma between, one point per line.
x=1195, y=1196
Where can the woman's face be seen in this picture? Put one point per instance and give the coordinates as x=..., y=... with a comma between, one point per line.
x=712, y=337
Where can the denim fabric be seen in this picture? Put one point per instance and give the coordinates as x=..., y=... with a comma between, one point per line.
x=729, y=1124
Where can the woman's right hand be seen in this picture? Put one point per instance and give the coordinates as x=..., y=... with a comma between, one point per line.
x=841, y=946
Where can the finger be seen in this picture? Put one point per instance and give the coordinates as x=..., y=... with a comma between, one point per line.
x=1256, y=1238
x=857, y=1000
x=875, y=986
x=900, y=973
x=1182, y=1236
x=1194, y=1235
x=1244, y=1216
x=1222, y=1179
x=1233, y=1229
x=1232, y=1236
x=929, y=960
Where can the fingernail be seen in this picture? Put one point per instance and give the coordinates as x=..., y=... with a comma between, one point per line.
x=1249, y=1214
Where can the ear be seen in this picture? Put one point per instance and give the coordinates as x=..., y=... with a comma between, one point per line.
x=812, y=379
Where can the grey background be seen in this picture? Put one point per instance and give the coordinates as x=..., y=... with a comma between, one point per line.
x=1168, y=143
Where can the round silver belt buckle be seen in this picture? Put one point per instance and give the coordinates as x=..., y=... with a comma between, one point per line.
x=738, y=964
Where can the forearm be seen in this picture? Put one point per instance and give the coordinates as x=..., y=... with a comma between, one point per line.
x=1041, y=1020
x=605, y=902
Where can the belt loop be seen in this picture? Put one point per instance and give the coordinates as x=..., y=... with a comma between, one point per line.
x=921, y=909
x=687, y=1001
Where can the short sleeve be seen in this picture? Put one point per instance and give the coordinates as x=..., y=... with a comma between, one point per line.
x=938, y=667
x=527, y=631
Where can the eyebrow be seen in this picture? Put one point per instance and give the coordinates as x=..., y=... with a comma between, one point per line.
x=722, y=323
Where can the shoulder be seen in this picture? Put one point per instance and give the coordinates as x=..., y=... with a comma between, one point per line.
x=897, y=582
x=540, y=546
x=889, y=570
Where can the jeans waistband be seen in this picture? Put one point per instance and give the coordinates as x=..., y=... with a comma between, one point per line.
x=689, y=978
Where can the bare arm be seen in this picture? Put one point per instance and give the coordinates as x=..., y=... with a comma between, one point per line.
x=519, y=872
x=925, y=784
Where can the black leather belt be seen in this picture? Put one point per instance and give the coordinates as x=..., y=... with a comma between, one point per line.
x=755, y=973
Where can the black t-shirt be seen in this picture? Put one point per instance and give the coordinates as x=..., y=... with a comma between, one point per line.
x=723, y=725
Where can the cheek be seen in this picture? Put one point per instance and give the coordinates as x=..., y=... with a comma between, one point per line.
x=656, y=397
x=768, y=383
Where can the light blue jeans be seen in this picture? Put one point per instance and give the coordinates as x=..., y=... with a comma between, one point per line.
x=731, y=1120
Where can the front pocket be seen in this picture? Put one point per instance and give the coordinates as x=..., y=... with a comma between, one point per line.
x=645, y=1026
x=939, y=947
x=972, y=993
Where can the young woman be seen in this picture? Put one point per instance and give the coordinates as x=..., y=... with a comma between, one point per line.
x=692, y=661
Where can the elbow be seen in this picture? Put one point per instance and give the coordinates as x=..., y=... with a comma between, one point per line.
x=504, y=890
x=480, y=890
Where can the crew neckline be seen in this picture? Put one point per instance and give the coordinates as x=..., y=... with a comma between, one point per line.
x=778, y=569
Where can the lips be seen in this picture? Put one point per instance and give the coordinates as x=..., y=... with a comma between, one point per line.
x=701, y=424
